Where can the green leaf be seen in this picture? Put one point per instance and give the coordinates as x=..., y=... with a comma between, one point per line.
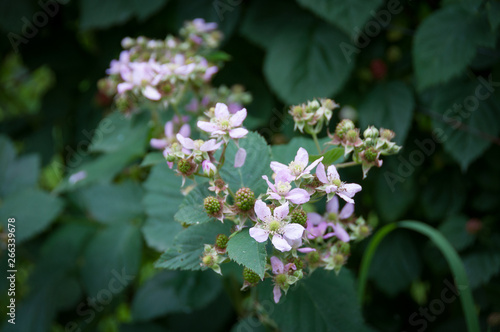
x=114, y=254
x=33, y=209
x=388, y=105
x=493, y=9
x=7, y=155
x=21, y=174
x=444, y=195
x=327, y=300
x=110, y=203
x=346, y=15
x=329, y=157
x=454, y=230
x=257, y=163
x=152, y=159
x=185, y=254
x=482, y=266
x=104, y=14
x=161, y=201
x=395, y=275
x=192, y=209
x=438, y=57
x=185, y=291
x=466, y=119
x=305, y=61
x=244, y=250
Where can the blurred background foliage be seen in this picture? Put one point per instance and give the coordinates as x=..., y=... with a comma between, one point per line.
x=429, y=70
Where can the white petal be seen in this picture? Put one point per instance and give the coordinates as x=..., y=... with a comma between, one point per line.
x=185, y=141
x=276, y=293
x=238, y=117
x=207, y=126
x=277, y=265
x=281, y=212
x=302, y=157
x=333, y=205
x=221, y=111
x=332, y=173
x=314, y=218
x=151, y=93
x=238, y=132
x=280, y=243
x=261, y=210
x=320, y=173
x=271, y=186
x=185, y=130
x=298, y=196
x=240, y=157
x=347, y=211
x=293, y=231
x=277, y=167
x=259, y=234
x=169, y=130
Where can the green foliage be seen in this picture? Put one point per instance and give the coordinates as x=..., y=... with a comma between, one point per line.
x=454, y=230
x=481, y=266
x=329, y=157
x=192, y=211
x=244, y=250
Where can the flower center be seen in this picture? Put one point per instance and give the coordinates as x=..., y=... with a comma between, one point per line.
x=283, y=188
x=332, y=216
x=281, y=279
x=274, y=226
x=198, y=143
x=224, y=124
x=296, y=168
x=337, y=182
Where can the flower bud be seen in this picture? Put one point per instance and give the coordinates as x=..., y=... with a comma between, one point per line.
x=371, y=132
x=387, y=134
x=209, y=168
x=212, y=205
x=244, y=199
x=127, y=42
x=250, y=276
x=343, y=127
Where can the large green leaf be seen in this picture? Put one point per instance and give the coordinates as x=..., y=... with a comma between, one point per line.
x=161, y=201
x=112, y=259
x=185, y=253
x=454, y=230
x=305, y=61
x=347, y=15
x=466, y=119
x=444, y=195
x=192, y=210
x=21, y=174
x=481, y=266
x=389, y=105
x=103, y=14
x=185, y=291
x=244, y=250
x=446, y=42
x=33, y=209
x=257, y=163
x=328, y=301
x=110, y=203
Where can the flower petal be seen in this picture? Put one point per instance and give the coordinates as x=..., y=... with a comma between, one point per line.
x=298, y=196
x=158, y=143
x=293, y=231
x=277, y=265
x=276, y=293
x=320, y=173
x=151, y=93
x=169, y=130
x=238, y=117
x=351, y=189
x=280, y=243
x=259, y=234
x=302, y=156
x=273, y=188
x=284, y=176
x=332, y=173
x=207, y=126
x=281, y=212
x=240, y=157
x=333, y=205
x=314, y=218
x=221, y=111
x=313, y=164
x=261, y=210
x=346, y=211
x=305, y=250
x=346, y=198
x=185, y=141
x=210, y=145
x=238, y=132
x=185, y=130
x=340, y=233
x=278, y=167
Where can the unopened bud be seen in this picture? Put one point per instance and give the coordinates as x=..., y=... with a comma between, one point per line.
x=371, y=132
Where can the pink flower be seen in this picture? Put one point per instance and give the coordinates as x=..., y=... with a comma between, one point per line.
x=297, y=168
x=169, y=138
x=209, y=168
x=282, y=278
x=317, y=225
x=283, y=232
x=198, y=145
x=225, y=125
x=282, y=189
x=202, y=26
x=333, y=185
x=239, y=158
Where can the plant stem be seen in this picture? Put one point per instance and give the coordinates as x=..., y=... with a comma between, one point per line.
x=315, y=138
x=348, y=164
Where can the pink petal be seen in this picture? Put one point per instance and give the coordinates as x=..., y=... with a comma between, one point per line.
x=333, y=205
x=125, y=86
x=277, y=167
x=276, y=293
x=340, y=233
x=259, y=234
x=273, y=188
x=240, y=157
x=298, y=196
x=331, y=188
x=238, y=132
x=347, y=211
x=284, y=176
x=277, y=265
x=261, y=210
x=313, y=164
x=293, y=231
x=170, y=164
x=351, y=189
x=238, y=117
x=221, y=111
x=314, y=218
x=332, y=173
x=281, y=212
x=158, y=143
x=151, y=93
x=320, y=173
x=185, y=130
x=302, y=157
x=280, y=243
x=169, y=129
x=185, y=141
x=207, y=126
x=210, y=145
x=306, y=250
x=346, y=198
x=274, y=196
x=295, y=243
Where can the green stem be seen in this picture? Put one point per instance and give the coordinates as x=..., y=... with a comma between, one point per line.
x=348, y=164
x=315, y=138
x=222, y=158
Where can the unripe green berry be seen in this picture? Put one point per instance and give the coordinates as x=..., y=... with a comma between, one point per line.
x=299, y=216
x=250, y=276
x=208, y=260
x=338, y=259
x=281, y=279
x=212, y=205
x=184, y=166
x=371, y=154
x=221, y=241
x=313, y=257
x=364, y=231
x=299, y=264
x=352, y=135
x=245, y=199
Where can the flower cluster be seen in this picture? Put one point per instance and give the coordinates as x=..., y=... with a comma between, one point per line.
x=312, y=115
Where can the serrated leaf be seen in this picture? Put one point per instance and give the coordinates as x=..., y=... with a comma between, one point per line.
x=481, y=267
x=346, y=15
x=187, y=249
x=438, y=57
x=244, y=250
x=305, y=61
x=454, y=230
x=115, y=252
x=33, y=209
x=466, y=119
x=328, y=301
x=388, y=105
x=192, y=209
x=329, y=157
x=257, y=163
